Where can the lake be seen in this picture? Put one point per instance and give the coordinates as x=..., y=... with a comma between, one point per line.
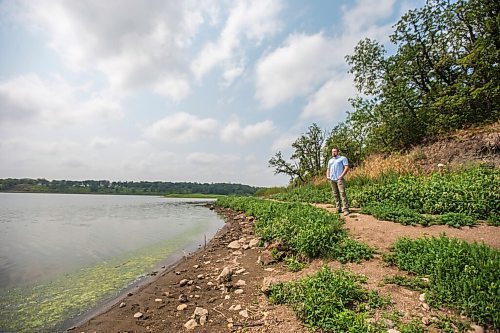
x=63, y=254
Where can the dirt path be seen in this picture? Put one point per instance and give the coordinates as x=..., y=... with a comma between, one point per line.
x=239, y=305
x=382, y=234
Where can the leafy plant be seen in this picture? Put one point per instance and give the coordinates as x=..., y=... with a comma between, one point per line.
x=462, y=275
x=332, y=301
x=293, y=264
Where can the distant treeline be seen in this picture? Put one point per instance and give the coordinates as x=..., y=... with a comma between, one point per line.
x=129, y=187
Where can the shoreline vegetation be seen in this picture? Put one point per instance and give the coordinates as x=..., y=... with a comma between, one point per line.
x=171, y=189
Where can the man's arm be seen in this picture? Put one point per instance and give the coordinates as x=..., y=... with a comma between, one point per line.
x=346, y=169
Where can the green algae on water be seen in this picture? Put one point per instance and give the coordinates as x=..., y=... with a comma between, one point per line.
x=45, y=306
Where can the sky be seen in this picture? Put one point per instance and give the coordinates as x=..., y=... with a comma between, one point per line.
x=168, y=90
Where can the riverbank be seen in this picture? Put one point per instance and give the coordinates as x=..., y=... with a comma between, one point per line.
x=170, y=302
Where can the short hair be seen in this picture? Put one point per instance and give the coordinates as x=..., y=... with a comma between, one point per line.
x=336, y=148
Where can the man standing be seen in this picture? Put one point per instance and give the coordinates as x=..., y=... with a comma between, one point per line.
x=338, y=166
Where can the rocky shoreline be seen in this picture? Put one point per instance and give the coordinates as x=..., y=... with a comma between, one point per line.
x=216, y=289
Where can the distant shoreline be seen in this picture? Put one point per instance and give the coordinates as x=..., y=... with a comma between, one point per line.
x=169, y=195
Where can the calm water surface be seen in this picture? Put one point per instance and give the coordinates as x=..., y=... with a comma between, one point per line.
x=62, y=244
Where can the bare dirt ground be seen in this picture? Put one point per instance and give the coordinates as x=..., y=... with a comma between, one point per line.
x=238, y=304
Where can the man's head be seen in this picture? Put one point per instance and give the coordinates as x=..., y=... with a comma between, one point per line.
x=335, y=151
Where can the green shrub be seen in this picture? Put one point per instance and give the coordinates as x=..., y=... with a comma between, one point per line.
x=332, y=301
x=293, y=264
x=391, y=212
x=302, y=230
x=462, y=275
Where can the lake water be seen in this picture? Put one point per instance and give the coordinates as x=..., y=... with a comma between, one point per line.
x=62, y=254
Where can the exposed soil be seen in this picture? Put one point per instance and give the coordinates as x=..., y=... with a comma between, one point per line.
x=158, y=302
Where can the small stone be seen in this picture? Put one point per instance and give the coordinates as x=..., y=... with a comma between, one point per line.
x=201, y=277
x=235, y=307
x=234, y=245
x=210, y=283
x=183, y=298
x=241, y=283
x=196, y=266
x=237, y=253
x=226, y=274
x=243, y=313
x=230, y=325
x=206, y=262
x=227, y=297
x=190, y=324
x=229, y=320
x=245, y=247
x=253, y=243
x=238, y=291
x=213, y=299
x=426, y=306
x=183, y=282
x=166, y=293
x=181, y=307
x=421, y=297
x=159, y=300
x=426, y=321
x=196, y=296
x=200, y=314
x=269, y=269
x=122, y=305
x=190, y=282
x=392, y=330
x=138, y=315
x=177, y=273
x=241, y=270
x=476, y=329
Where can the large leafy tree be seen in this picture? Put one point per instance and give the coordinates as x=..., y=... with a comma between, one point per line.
x=444, y=74
x=307, y=158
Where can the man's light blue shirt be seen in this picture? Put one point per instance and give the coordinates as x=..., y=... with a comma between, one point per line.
x=336, y=166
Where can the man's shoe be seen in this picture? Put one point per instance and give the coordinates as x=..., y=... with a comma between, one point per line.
x=346, y=213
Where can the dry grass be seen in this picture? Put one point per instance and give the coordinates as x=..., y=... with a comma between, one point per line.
x=376, y=166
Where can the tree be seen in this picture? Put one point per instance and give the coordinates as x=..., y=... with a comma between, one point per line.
x=306, y=160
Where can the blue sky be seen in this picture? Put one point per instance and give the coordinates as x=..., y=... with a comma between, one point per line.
x=200, y=91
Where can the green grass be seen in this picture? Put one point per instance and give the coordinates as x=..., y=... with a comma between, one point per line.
x=330, y=301
x=301, y=230
x=462, y=275
x=454, y=198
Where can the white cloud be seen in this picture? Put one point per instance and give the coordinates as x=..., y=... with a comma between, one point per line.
x=100, y=142
x=136, y=45
x=366, y=13
x=331, y=100
x=294, y=69
x=283, y=143
x=232, y=74
x=28, y=98
x=182, y=128
x=254, y=20
x=234, y=132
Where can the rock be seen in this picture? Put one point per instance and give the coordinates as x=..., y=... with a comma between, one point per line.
x=243, y=313
x=213, y=299
x=239, y=271
x=226, y=274
x=241, y=283
x=234, y=245
x=421, y=298
x=200, y=315
x=201, y=277
x=122, y=305
x=166, y=293
x=245, y=247
x=183, y=282
x=227, y=297
x=190, y=282
x=196, y=266
x=237, y=253
x=235, y=307
x=266, y=284
x=177, y=273
x=183, y=298
x=159, y=300
x=269, y=269
x=476, y=329
x=426, y=321
x=210, y=283
x=392, y=330
x=190, y=324
x=206, y=262
x=138, y=315
x=238, y=291
x=426, y=306
x=389, y=323
x=253, y=243
x=182, y=307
